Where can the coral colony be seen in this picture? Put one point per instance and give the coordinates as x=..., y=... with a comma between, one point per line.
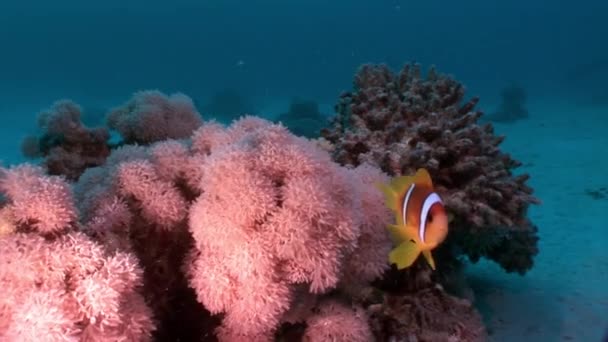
x=188, y=230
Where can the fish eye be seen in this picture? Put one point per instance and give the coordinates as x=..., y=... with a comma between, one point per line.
x=429, y=218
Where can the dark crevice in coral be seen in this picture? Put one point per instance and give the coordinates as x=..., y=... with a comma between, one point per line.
x=179, y=315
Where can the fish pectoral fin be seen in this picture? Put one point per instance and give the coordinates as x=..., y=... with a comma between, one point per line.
x=390, y=197
x=429, y=258
x=404, y=255
x=401, y=234
x=395, y=232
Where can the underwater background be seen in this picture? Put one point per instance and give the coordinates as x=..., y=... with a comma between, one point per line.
x=538, y=67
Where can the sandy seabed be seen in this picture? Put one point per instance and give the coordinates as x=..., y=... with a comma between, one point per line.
x=565, y=296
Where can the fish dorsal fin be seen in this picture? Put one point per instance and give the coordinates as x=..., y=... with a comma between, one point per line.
x=422, y=177
x=401, y=184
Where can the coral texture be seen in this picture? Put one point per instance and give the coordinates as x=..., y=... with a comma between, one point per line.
x=36, y=200
x=268, y=212
x=138, y=202
x=276, y=213
x=58, y=284
x=429, y=314
x=151, y=116
x=335, y=321
x=66, y=145
x=404, y=121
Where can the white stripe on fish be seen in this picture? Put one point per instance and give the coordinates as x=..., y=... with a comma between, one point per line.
x=430, y=200
x=406, y=200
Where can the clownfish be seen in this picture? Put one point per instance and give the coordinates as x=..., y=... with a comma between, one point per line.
x=422, y=221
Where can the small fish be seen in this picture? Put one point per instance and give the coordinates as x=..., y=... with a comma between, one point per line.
x=422, y=221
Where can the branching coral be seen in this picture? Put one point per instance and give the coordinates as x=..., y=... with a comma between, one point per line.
x=429, y=314
x=402, y=122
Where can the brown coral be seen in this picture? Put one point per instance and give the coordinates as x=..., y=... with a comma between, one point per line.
x=66, y=144
x=402, y=122
x=426, y=315
x=151, y=116
x=337, y=321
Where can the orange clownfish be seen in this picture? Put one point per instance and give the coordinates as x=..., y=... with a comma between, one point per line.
x=422, y=221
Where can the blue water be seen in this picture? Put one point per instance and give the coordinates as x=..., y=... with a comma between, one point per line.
x=268, y=52
x=102, y=51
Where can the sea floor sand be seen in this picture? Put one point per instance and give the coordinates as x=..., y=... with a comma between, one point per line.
x=565, y=296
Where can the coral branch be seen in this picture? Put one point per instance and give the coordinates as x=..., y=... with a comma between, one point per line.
x=402, y=122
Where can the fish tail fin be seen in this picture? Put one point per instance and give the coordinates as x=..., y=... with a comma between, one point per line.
x=429, y=258
x=404, y=255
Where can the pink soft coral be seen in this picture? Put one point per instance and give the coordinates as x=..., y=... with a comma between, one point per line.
x=152, y=116
x=276, y=212
x=42, y=202
x=158, y=200
x=138, y=202
x=261, y=224
x=269, y=213
x=58, y=283
x=336, y=321
x=69, y=288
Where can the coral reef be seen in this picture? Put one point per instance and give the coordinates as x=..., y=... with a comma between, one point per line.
x=58, y=284
x=429, y=314
x=66, y=145
x=335, y=321
x=303, y=118
x=513, y=105
x=301, y=221
x=253, y=204
x=138, y=202
x=192, y=230
x=151, y=116
x=404, y=121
